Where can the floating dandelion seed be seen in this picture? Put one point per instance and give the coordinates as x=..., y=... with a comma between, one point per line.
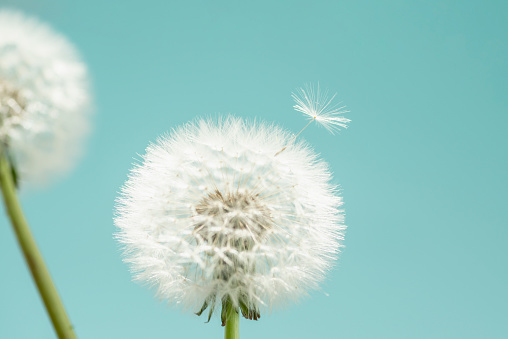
x=318, y=106
x=212, y=216
x=43, y=97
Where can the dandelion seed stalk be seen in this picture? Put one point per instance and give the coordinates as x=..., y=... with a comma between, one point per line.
x=296, y=136
x=33, y=257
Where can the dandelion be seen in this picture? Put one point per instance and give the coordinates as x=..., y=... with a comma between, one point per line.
x=43, y=105
x=214, y=217
x=43, y=98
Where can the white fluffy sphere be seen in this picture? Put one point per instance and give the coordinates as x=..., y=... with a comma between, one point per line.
x=44, y=97
x=213, y=214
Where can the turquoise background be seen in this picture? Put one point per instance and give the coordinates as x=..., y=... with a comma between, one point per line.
x=423, y=166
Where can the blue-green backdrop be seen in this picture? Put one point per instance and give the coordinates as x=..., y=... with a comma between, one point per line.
x=423, y=166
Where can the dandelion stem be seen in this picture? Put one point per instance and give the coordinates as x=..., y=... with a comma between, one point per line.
x=33, y=257
x=232, y=330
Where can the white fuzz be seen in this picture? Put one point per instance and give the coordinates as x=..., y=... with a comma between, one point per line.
x=317, y=105
x=211, y=214
x=43, y=97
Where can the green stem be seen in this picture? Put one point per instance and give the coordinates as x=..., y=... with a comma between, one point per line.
x=232, y=330
x=33, y=257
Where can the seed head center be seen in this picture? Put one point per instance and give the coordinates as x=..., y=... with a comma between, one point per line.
x=11, y=104
x=233, y=217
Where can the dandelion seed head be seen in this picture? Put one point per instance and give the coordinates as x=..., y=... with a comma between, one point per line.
x=44, y=98
x=211, y=214
x=317, y=105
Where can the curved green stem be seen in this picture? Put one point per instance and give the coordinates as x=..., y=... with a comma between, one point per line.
x=33, y=257
x=232, y=330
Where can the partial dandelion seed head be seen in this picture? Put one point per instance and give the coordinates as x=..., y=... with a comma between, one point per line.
x=44, y=98
x=211, y=214
x=317, y=104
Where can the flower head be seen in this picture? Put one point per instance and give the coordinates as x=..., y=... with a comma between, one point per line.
x=317, y=105
x=212, y=215
x=43, y=97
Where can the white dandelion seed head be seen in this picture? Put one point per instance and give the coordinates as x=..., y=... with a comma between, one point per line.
x=44, y=97
x=317, y=105
x=212, y=214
